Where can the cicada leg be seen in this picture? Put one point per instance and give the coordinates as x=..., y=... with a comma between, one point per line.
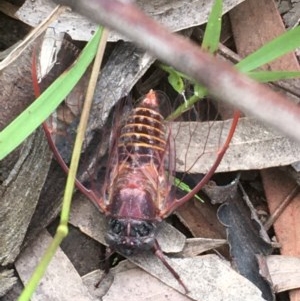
x=174, y=204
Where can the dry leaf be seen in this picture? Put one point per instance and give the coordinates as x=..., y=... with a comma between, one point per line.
x=246, y=238
x=196, y=246
x=20, y=192
x=61, y=281
x=7, y=281
x=176, y=15
x=249, y=19
x=128, y=282
x=284, y=271
x=254, y=146
x=207, y=277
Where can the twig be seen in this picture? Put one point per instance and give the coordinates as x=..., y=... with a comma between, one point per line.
x=273, y=218
x=221, y=79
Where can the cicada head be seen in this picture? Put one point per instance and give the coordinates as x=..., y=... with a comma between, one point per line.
x=130, y=236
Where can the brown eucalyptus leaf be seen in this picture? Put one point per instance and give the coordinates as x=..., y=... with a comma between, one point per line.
x=201, y=219
x=260, y=22
x=278, y=185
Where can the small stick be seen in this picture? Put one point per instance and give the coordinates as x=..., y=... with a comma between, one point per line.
x=273, y=218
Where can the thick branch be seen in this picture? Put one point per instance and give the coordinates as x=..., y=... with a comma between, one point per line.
x=222, y=80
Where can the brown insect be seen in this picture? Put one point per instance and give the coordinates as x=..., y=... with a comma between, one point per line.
x=138, y=187
x=137, y=193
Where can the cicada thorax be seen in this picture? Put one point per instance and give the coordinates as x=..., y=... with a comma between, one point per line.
x=139, y=183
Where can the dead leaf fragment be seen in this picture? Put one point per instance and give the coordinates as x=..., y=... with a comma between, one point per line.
x=254, y=146
x=61, y=281
x=7, y=281
x=140, y=286
x=176, y=15
x=207, y=277
x=196, y=246
x=284, y=271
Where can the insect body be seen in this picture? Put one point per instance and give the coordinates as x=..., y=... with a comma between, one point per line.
x=137, y=194
x=138, y=185
x=139, y=181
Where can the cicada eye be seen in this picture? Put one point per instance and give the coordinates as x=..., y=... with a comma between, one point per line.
x=116, y=226
x=141, y=230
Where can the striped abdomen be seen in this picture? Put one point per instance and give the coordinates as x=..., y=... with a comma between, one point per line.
x=143, y=138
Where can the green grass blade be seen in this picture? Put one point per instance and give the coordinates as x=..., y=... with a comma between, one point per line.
x=19, y=129
x=187, y=105
x=212, y=32
x=82, y=128
x=281, y=45
x=271, y=76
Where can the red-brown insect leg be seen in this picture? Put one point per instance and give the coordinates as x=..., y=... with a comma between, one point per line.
x=108, y=253
x=177, y=203
x=159, y=254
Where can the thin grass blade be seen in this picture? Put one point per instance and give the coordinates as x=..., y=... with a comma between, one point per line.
x=281, y=45
x=212, y=32
x=272, y=76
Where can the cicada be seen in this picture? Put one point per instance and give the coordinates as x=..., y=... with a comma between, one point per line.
x=138, y=191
